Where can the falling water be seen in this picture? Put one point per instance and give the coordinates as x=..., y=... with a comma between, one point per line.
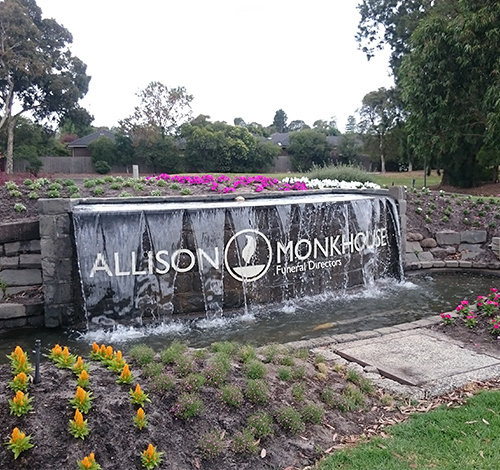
x=144, y=262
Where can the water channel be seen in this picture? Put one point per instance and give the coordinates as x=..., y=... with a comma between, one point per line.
x=387, y=302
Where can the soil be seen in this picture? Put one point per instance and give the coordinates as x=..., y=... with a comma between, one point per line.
x=117, y=444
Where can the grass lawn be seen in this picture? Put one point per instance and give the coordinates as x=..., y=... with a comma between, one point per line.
x=462, y=438
x=406, y=179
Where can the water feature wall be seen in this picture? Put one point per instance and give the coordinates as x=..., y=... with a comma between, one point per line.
x=157, y=260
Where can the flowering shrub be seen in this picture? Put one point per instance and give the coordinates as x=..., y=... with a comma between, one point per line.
x=18, y=442
x=289, y=419
x=495, y=325
x=471, y=320
x=20, y=404
x=19, y=382
x=138, y=397
x=187, y=406
x=463, y=308
x=151, y=458
x=19, y=361
x=82, y=400
x=447, y=318
x=257, y=391
x=232, y=395
x=487, y=306
x=62, y=358
x=312, y=413
x=211, y=445
x=78, y=427
x=88, y=463
x=244, y=442
x=140, y=420
x=261, y=424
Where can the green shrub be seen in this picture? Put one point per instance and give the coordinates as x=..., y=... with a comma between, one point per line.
x=187, y=406
x=341, y=173
x=102, y=167
x=162, y=383
x=260, y=424
x=142, y=353
x=299, y=392
x=243, y=442
x=226, y=347
x=257, y=391
x=232, y=395
x=193, y=383
x=255, y=369
x=211, y=445
x=312, y=413
x=184, y=365
x=289, y=419
x=171, y=354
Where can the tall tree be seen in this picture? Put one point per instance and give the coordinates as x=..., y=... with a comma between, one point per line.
x=391, y=23
x=379, y=113
x=279, y=121
x=327, y=127
x=38, y=74
x=451, y=85
x=161, y=111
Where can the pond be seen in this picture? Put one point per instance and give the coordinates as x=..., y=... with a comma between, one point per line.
x=386, y=303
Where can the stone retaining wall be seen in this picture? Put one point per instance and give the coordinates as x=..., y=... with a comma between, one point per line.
x=449, y=249
x=20, y=271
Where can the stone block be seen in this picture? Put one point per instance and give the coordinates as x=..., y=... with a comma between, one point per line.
x=22, y=277
x=411, y=258
x=55, y=225
x=473, y=236
x=9, y=262
x=443, y=252
x=397, y=192
x=413, y=247
x=57, y=270
x=8, y=311
x=425, y=256
x=465, y=264
x=426, y=264
x=19, y=231
x=36, y=321
x=451, y=264
x=57, y=248
x=31, y=260
x=438, y=264
x=13, y=323
x=479, y=265
x=470, y=251
x=58, y=293
x=26, y=246
x=448, y=237
x=428, y=243
x=55, y=206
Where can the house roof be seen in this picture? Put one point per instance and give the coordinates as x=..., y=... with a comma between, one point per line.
x=86, y=140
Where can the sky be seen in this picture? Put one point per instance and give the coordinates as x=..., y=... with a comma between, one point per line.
x=237, y=58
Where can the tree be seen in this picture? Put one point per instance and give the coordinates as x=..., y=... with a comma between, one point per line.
x=279, y=121
x=326, y=127
x=103, y=150
x=451, y=87
x=350, y=142
x=239, y=122
x=297, y=125
x=161, y=111
x=77, y=121
x=308, y=148
x=38, y=74
x=391, y=23
x=379, y=113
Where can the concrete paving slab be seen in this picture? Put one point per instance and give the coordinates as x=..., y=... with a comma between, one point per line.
x=418, y=359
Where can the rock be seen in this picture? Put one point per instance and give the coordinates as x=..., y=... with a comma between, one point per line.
x=443, y=252
x=428, y=243
x=473, y=236
x=414, y=237
x=448, y=237
x=413, y=247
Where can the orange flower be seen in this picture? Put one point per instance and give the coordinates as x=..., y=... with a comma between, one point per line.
x=19, y=398
x=95, y=348
x=57, y=350
x=83, y=375
x=65, y=352
x=78, y=364
x=119, y=356
x=138, y=390
x=21, y=378
x=150, y=451
x=102, y=349
x=125, y=375
x=21, y=361
x=140, y=414
x=109, y=352
x=86, y=462
x=78, y=418
x=17, y=436
x=80, y=395
x=18, y=352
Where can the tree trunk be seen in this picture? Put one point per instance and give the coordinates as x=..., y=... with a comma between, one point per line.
x=495, y=174
x=9, y=157
x=410, y=166
x=382, y=156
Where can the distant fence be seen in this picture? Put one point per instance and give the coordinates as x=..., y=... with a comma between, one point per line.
x=74, y=165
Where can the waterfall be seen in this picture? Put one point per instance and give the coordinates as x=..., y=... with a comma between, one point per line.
x=142, y=262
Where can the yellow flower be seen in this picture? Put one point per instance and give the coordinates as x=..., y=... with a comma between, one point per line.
x=138, y=391
x=21, y=378
x=102, y=349
x=86, y=462
x=65, y=352
x=150, y=451
x=18, y=352
x=140, y=414
x=95, y=348
x=57, y=350
x=109, y=352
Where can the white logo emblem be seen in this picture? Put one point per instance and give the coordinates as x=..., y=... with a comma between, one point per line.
x=243, y=266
